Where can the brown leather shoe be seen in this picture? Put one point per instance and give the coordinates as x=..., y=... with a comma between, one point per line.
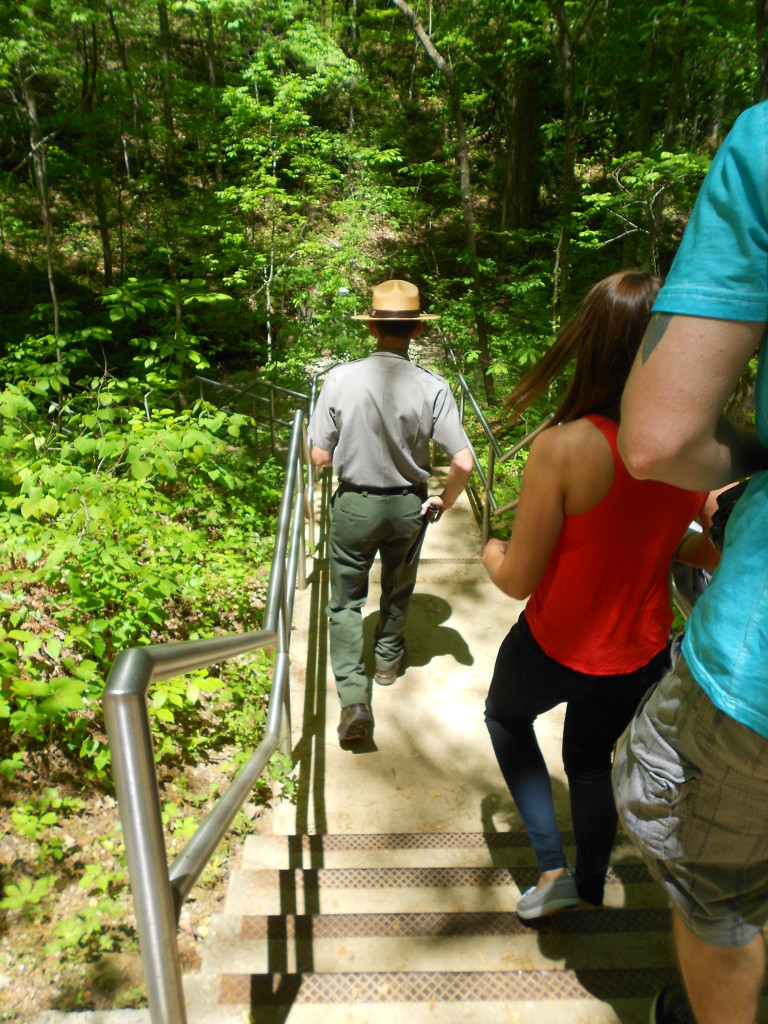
x=355, y=723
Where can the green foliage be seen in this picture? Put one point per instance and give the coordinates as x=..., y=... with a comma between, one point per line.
x=629, y=202
x=127, y=514
x=27, y=894
x=170, y=353
x=98, y=924
x=123, y=521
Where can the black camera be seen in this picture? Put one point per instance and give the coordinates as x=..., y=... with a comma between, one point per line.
x=725, y=503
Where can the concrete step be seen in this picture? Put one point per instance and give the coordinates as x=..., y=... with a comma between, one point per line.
x=404, y=890
x=354, y=928
x=439, y=942
x=568, y=996
x=408, y=850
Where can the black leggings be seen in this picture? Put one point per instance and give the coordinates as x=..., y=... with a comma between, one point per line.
x=526, y=683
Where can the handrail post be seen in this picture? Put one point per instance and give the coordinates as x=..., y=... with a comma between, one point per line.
x=488, y=491
x=286, y=745
x=308, y=494
x=130, y=740
x=272, y=418
x=285, y=618
x=300, y=504
x=312, y=473
x=278, y=561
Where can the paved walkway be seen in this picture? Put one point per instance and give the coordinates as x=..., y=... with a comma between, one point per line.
x=429, y=766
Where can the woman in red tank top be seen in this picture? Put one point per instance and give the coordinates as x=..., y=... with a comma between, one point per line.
x=592, y=547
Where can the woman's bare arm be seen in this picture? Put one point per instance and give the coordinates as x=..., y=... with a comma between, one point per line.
x=517, y=567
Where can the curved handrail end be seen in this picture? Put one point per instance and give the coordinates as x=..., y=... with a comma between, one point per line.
x=130, y=675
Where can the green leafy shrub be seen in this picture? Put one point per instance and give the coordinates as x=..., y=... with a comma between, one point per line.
x=122, y=523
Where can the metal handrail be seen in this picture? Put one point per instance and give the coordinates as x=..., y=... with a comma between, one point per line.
x=158, y=893
x=266, y=384
x=484, y=503
x=270, y=419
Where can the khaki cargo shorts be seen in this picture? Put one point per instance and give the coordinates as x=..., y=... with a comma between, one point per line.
x=691, y=788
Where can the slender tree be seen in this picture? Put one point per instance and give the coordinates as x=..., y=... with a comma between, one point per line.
x=167, y=86
x=567, y=37
x=37, y=156
x=89, y=50
x=467, y=206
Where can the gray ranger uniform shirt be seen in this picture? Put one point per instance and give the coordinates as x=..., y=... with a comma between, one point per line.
x=378, y=414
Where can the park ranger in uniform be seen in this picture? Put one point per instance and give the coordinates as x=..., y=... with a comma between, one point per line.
x=374, y=421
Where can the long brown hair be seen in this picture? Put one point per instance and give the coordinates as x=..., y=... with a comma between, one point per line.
x=604, y=334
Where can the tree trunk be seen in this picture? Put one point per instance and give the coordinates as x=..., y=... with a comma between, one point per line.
x=634, y=252
x=354, y=31
x=675, y=90
x=761, y=23
x=561, y=295
x=122, y=52
x=178, y=311
x=167, y=86
x=40, y=170
x=90, y=68
x=520, y=187
x=465, y=183
x=649, y=256
x=120, y=232
x=210, y=56
x=103, y=219
x=567, y=38
x=644, y=124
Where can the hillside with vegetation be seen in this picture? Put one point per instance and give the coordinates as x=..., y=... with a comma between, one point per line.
x=210, y=188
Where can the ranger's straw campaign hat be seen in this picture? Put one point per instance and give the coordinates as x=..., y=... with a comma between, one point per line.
x=395, y=300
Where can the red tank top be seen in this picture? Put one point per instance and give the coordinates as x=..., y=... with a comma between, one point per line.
x=603, y=606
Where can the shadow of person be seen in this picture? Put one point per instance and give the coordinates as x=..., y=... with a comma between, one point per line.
x=363, y=746
x=425, y=637
x=506, y=839
x=618, y=956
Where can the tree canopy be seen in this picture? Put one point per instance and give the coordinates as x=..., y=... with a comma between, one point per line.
x=159, y=156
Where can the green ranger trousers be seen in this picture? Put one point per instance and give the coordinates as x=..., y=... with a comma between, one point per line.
x=361, y=525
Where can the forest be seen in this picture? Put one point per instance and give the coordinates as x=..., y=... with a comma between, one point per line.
x=211, y=188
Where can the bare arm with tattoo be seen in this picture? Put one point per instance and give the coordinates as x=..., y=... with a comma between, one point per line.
x=672, y=423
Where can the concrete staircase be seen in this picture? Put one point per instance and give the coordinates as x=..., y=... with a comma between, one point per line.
x=387, y=888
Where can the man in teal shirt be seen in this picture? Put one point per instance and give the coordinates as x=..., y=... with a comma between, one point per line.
x=691, y=776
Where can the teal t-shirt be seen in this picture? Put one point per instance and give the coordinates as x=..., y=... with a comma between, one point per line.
x=721, y=271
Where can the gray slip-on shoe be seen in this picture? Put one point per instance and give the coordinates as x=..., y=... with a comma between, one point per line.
x=559, y=894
